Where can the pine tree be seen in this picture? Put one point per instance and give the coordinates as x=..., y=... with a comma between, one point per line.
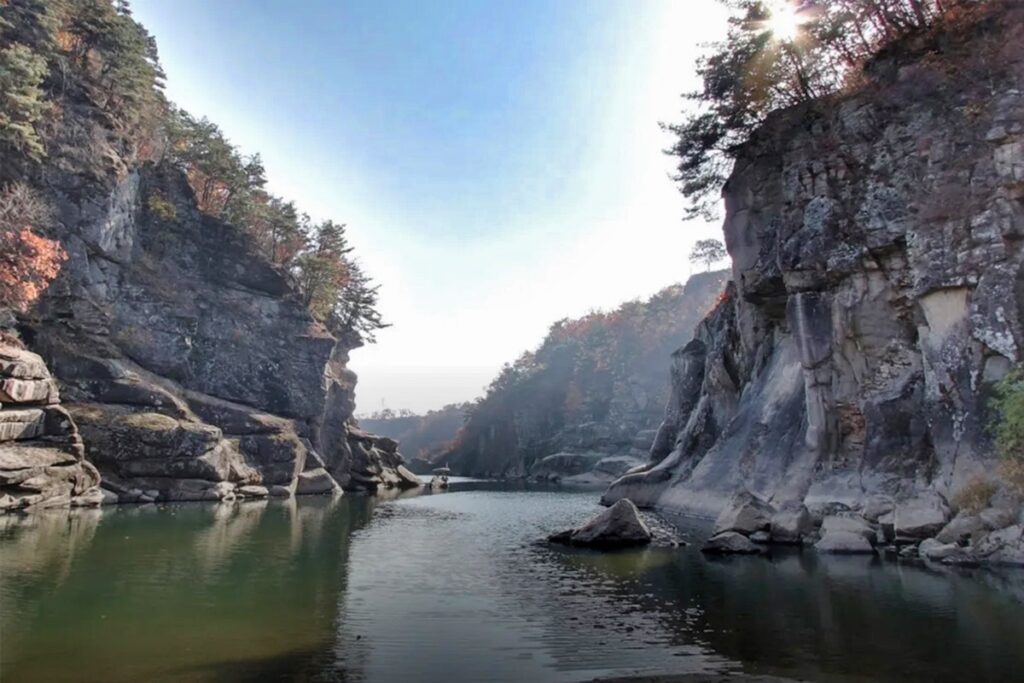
x=22, y=102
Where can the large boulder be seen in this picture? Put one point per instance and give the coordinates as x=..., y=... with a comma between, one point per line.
x=1005, y=546
x=620, y=525
x=731, y=543
x=961, y=528
x=921, y=517
x=846, y=535
x=746, y=514
x=791, y=525
x=316, y=481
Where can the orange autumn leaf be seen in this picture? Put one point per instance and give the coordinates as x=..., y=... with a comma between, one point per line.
x=28, y=263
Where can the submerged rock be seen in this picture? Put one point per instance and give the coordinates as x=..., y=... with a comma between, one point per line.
x=619, y=525
x=731, y=543
x=935, y=550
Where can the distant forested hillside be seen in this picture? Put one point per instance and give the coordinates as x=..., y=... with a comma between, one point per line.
x=596, y=384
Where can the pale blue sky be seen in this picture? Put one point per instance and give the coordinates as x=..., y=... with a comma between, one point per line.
x=499, y=163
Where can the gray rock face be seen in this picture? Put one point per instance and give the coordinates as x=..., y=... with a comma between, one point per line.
x=41, y=453
x=186, y=357
x=619, y=525
x=731, y=543
x=876, y=297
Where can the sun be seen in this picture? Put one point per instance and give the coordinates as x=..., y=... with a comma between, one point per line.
x=783, y=20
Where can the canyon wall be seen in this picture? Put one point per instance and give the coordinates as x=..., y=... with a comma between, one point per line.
x=186, y=359
x=877, y=294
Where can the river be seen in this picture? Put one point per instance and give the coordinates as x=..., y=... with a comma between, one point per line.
x=454, y=587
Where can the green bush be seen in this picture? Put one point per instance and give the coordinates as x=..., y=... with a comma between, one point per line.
x=1009, y=429
x=161, y=208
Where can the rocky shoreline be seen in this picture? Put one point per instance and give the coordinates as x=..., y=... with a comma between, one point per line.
x=922, y=528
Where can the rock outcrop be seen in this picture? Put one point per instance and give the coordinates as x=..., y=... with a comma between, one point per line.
x=42, y=458
x=618, y=526
x=877, y=242
x=187, y=360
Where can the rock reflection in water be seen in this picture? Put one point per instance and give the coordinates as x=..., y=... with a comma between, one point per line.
x=190, y=592
x=825, y=618
x=454, y=586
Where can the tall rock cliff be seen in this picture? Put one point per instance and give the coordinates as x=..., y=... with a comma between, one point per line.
x=877, y=295
x=188, y=364
x=187, y=360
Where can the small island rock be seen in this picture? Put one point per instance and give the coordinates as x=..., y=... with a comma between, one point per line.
x=619, y=525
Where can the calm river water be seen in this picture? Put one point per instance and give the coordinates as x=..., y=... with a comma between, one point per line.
x=452, y=587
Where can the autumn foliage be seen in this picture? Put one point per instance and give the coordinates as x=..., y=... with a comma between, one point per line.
x=28, y=261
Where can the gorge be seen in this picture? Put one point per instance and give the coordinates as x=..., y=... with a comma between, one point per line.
x=805, y=466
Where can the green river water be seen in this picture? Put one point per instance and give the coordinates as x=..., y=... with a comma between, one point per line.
x=454, y=587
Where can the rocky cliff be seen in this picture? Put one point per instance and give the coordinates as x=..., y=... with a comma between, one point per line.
x=877, y=295
x=585, y=404
x=42, y=457
x=188, y=362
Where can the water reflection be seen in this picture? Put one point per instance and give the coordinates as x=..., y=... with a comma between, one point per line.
x=824, y=618
x=453, y=586
x=190, y=592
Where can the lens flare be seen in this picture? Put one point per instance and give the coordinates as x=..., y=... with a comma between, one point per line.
x=784, y=20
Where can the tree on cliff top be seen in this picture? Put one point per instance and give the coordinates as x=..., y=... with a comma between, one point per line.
x=707, y=252
x=779, y=53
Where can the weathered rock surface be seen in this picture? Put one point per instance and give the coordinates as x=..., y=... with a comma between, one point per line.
x=619, y=525
x=41, y=454
x=878, y=271
x=186, y=357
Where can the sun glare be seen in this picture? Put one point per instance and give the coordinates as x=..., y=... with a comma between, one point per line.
x=784, y=21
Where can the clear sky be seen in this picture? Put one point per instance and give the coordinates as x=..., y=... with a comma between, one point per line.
x=498, y=163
